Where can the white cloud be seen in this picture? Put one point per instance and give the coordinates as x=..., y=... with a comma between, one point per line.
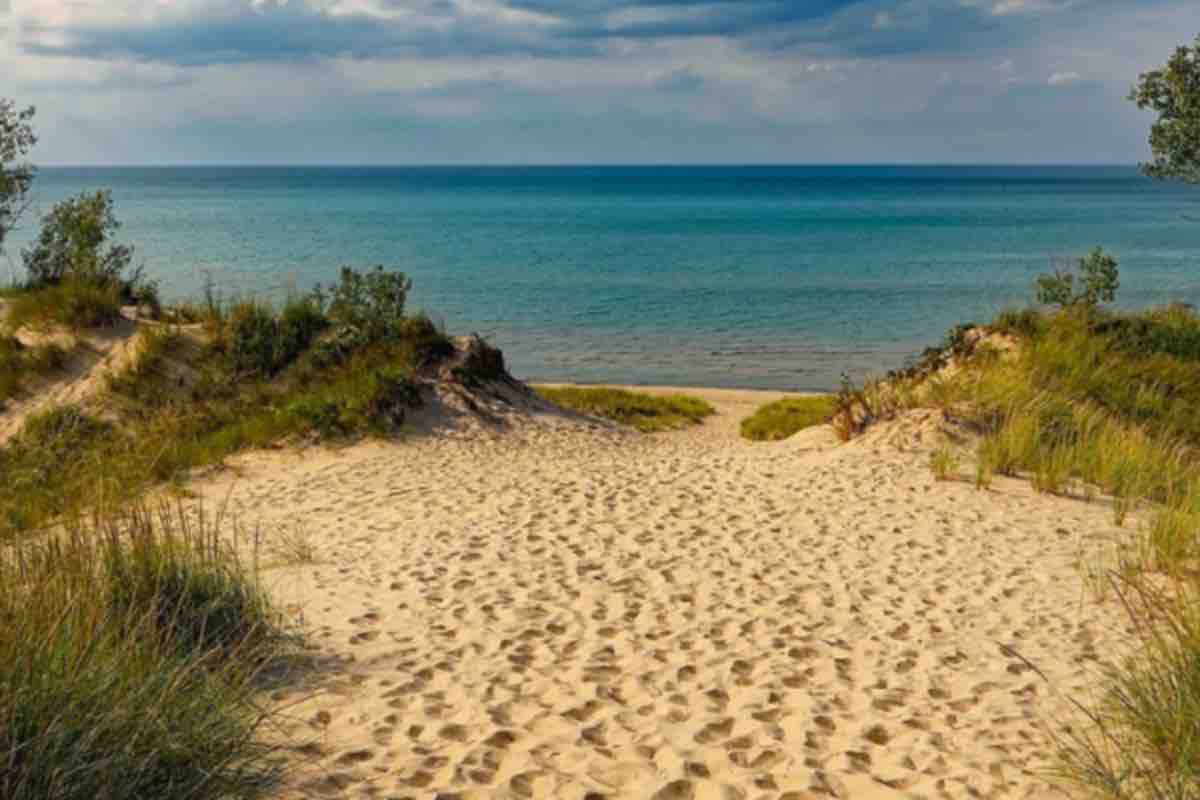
x=1002, y=8
x=1064, y=78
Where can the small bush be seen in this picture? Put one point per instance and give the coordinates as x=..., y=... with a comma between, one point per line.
x=646, y=413
x=74, y=245
x=253, y=340
x=783, y=418
x=371, y=304
x=1096, y=281
x=300, y=323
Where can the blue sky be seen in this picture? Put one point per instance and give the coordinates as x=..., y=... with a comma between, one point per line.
x=586, y=81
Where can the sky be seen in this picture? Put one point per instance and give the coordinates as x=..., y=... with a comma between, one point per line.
x=586, y=81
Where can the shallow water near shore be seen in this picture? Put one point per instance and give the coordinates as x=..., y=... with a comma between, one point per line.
x=763, y=277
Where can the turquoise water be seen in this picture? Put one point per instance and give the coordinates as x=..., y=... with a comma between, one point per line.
x=748, y=277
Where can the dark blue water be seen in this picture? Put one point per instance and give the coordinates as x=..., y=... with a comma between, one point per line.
x=753, y=277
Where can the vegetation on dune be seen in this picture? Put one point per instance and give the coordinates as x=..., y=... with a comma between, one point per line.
x=1089, y=402
x=644, y=412
x=782, y=418
x=76, y=276
x=131, y=656
x=19, y=362
x=254, y=376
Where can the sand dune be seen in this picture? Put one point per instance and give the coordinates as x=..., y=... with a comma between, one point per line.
x=564, y=610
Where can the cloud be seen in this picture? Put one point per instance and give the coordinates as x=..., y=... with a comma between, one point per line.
x=584, y=80
x=200, y=32
x=1064, y=78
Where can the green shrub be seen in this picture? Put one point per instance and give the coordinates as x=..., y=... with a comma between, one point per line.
x=322, y=414
x=253, y=343
x=1172, y=331
x=646, y=413
x=369, y=303
x=1095, y=282
x=300, y=322
x=74, y=245
x=783, y=418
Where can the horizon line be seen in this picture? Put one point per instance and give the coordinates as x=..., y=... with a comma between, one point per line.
x=576, y=165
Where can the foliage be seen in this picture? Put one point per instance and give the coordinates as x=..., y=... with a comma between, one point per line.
x=1097, y=282
x=17, y=138
x=253, y=343
x=647, y=413
x=74, y=244
x=111, y=687
x=368, y=305
x=783, y=418
x=1173, y=93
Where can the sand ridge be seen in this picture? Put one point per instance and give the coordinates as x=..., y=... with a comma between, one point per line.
x=563, y=610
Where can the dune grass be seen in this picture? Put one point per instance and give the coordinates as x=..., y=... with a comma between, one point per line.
x=19, y=363
x=73, y=305
x=255, y=376
x=131, y=658
x=644, y=412
x=781, y=419
x=1092, y=403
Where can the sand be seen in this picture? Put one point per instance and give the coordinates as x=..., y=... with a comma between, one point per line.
x=562, y=609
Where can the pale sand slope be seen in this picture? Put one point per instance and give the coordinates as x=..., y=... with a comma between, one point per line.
x=571, y=611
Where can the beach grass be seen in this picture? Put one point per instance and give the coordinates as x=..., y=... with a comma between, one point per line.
x=253, y=377
x=783, y=418
x=74, y=305
x=644, y=412
x=19, y=363
x=1098, y=403
x=132, y=655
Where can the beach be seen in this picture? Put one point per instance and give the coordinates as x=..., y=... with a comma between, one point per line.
x=551, y=607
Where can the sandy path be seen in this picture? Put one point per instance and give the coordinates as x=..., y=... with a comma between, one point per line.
x=574, y=612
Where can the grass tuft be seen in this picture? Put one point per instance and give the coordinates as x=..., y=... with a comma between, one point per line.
x=644, y=412
x=73, y=305
x=944, y=463
x=129, y=656
x=783, y=418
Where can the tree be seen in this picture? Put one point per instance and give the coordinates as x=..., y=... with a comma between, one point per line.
x=74, y=245
x=16, y=176
x=1097, y=282
x=1173, y=92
